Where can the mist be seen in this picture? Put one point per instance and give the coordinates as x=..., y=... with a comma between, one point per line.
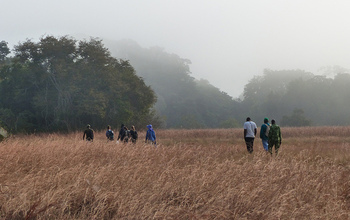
x=228, y=42
x=60, y=84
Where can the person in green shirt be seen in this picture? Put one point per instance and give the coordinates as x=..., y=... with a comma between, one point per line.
x=275, y=137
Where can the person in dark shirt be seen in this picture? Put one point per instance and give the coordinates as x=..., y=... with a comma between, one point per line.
x=133, y=134
x=127, y=134
x=122, y=133
x=89, y=134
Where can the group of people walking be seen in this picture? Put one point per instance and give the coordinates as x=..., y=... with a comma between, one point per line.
x=125, y=135
x=270, y=135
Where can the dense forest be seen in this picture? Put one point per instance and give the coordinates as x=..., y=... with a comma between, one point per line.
x=62, y=84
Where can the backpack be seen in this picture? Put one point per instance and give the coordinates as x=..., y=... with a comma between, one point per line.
x=267, y=130
x=110, y=135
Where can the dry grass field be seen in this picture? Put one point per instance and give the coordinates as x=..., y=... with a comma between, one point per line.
x=192, y=174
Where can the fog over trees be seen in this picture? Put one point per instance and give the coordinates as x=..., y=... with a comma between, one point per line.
x=62, y=84
x=299, y=98
x=292, y=97
x=183, y=101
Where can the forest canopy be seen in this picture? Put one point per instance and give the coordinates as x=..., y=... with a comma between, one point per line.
x=61, y=84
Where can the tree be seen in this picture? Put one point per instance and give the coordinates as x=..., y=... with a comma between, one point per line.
x=340, y=96
x=264, y=95
x=183, y=101
x=296, y=119
x=61, y=84
x=4, y=50
x=230, y=123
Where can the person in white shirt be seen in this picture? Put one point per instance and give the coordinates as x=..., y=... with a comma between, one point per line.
x=250, y=129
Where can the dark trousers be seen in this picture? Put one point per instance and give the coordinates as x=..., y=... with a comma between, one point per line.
x=276, y=144
x=249, y=141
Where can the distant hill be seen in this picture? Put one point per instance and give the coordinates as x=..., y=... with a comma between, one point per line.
x=182, y=101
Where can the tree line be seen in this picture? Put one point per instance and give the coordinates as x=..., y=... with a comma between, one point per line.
x=292, y=97
x=62, y=84
x=299, y=98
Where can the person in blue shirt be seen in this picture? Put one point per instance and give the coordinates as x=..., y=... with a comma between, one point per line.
x=109, y=133
x=264, y=134
x=150, y=135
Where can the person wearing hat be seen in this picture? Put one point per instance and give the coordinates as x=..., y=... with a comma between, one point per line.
x=264, y=134
x=89, y=134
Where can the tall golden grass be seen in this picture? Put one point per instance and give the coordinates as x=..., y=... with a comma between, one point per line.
x=191, y=174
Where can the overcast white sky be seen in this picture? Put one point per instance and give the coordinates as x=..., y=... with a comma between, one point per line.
x=228, y=41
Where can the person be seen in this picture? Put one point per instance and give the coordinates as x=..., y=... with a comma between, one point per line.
x=249, y=133
x=127, y=134
x=264, y=132
x=133, y=134
x=89, y=134
x=109, y=133
x=122, y=133
x=275, y=137
x=150, y=135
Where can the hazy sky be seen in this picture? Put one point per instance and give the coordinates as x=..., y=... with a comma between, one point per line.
x=228, y=41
